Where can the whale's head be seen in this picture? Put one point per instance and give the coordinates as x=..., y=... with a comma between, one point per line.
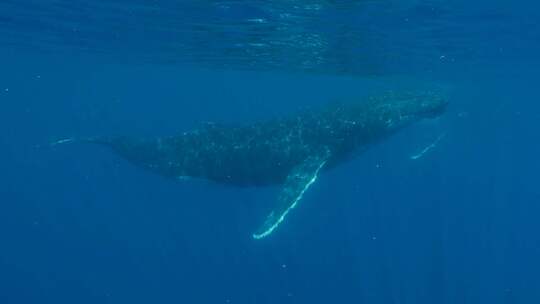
x=396, y=110
x=425, y=105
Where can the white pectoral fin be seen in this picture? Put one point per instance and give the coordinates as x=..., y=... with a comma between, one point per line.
x=427, y=148
x=297, y=183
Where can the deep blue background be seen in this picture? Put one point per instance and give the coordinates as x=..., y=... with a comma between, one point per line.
x=460, y=225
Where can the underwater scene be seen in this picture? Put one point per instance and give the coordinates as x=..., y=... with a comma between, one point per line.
x=286, y=151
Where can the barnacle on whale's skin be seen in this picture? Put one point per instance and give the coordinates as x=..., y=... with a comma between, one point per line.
x=291, y=151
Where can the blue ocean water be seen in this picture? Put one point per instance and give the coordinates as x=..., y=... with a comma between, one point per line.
x=81, y=225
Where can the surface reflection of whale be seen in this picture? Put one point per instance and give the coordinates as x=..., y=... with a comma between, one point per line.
x=290, y=151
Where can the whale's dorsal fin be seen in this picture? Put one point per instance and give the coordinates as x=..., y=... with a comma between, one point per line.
x=297, y=183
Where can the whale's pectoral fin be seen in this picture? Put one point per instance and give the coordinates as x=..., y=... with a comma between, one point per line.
x=296, y=184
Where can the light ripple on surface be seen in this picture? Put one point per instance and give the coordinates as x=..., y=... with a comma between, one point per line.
x=350, y=37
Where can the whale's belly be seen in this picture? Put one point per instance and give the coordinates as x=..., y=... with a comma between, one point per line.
x=244, y=164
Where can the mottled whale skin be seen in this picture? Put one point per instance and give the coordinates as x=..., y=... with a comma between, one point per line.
x=289, y=151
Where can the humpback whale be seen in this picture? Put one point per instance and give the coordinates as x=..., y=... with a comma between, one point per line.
x=290, y=151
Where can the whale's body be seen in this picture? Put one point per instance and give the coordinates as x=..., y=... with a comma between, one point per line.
x=289, y=151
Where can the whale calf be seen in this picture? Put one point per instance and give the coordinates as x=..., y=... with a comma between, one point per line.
x=290, y=151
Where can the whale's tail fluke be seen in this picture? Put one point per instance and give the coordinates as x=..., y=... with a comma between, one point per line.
x=71, y=140
x=62, y=141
